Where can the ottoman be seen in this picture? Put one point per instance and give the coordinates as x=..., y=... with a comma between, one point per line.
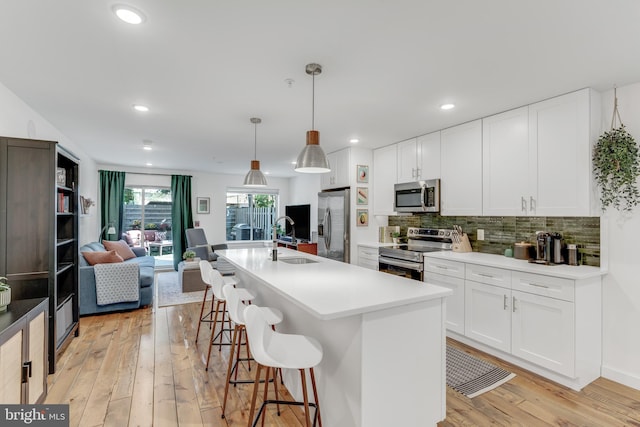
x=189, y=277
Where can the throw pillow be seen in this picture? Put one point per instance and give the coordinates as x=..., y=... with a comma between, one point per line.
x=161, y=235
x=99, y=257
x=120, y=247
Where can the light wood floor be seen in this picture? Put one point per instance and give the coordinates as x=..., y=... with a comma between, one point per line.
x=141, y=368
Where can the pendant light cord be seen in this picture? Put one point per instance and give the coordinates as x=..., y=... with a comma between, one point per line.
x=313, y=100
x=255, y=141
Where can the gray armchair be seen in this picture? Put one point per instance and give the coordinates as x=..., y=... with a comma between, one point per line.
x=197, y=242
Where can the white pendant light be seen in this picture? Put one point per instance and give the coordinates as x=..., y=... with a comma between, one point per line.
x=312, y=159
x=254, y=177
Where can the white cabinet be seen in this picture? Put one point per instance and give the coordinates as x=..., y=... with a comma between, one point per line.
x=461, y=169
x=549, y=325
x=488, y=314
x=449, y=274
x=560, y=131
x=419, y=158
x=338, y=177
x=368, y=257
x=505, y=162
x=536, y=159
x=543, y=331
x=23, y=352
x=488, y=305
x=384, y=177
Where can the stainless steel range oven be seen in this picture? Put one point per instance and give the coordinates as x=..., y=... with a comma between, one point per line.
x=407, y=260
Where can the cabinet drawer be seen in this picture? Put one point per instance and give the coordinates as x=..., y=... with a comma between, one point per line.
x=441, y=266
x=489, y=275
x=365, y=252
x=548, y=286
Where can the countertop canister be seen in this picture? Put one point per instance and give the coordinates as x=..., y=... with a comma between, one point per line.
x=522, y=250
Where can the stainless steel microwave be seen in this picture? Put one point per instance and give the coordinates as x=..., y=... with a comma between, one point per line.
x=418, y=196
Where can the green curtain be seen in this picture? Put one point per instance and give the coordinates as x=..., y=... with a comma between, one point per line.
x=181, y=215
x=111, y=203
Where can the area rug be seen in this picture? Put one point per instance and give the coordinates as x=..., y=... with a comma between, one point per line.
x=471, y=376
x=169, y=292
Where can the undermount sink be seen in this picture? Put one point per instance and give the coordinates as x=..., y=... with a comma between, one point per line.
x=297, y=260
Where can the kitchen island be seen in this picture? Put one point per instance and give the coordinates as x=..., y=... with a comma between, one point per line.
x=383, y=336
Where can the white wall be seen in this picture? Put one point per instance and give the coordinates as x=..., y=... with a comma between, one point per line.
x=621, y=286
x=18, y=120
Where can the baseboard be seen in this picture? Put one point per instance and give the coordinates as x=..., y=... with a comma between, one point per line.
x=624, y=378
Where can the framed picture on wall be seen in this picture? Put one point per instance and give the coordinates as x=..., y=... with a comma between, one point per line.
x=362, y=195
x=362, y=173
x=203, y=205
x=362, y=217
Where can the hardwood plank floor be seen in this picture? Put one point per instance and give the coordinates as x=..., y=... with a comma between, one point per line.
x=142, y=368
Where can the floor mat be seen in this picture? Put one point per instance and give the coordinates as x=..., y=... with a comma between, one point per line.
x=471, y=376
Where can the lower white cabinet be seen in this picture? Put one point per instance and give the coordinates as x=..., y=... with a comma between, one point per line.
x=542, y=331
x=488, y=314
x=454, y=320
x=368, y=257
x=546, y=324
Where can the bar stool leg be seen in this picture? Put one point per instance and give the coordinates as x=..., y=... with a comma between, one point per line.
x=305, y=397
x=315, y=395
x=226, y=386
x=264, y=395
x=213, y=332
x=224, y=312
x=275, y=387
x=204, y=302
x=256, y=384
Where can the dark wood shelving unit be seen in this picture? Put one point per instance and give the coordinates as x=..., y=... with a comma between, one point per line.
x=39, y=232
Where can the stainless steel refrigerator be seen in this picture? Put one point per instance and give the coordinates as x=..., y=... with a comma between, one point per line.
x=333, y=225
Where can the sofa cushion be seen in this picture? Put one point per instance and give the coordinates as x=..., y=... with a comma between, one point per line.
x=98, y=257
x=146, y=264
x=121, y=247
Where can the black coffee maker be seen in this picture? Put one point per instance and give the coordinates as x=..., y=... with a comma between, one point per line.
x=549, y=248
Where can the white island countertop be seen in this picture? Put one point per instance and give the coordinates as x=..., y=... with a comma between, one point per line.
x=499, y=261
x=330, y=289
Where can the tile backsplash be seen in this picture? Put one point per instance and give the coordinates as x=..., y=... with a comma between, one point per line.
x=502, y=232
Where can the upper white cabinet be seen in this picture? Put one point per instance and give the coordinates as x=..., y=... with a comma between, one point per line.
x=384, y=177
x=338, y=177
x=560, y=148
x=536, y=159
x=461, y=169
x=419, y=158
x=505, y=161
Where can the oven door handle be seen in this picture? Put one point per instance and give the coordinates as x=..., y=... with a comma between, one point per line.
x=397, y=263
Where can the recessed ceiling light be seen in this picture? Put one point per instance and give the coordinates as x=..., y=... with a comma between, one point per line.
x=294, y=162
x=354, y=140
x=447, y=106
x=267, y=173
x=141, y=108
x=147, y=147
x=129, y=14
x=149, y=164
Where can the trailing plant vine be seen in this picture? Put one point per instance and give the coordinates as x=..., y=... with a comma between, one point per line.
x=616, y=166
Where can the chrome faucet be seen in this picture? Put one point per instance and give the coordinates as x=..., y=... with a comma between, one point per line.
x=274, y=251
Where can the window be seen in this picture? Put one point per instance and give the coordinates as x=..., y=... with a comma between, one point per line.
x=147, y=218
x=250, y=215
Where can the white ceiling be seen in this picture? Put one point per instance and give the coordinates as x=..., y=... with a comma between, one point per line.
x=204, y=67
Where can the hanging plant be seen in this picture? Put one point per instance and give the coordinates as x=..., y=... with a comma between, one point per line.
x=616, y=165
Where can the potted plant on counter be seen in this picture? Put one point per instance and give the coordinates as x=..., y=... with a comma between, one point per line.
x=188, y=256
x=395, y=236
x=5, y=294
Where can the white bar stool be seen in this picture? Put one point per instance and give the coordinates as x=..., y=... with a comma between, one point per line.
x=272, y=350
x=205, y=270
x=217, y=282
x=235, y=307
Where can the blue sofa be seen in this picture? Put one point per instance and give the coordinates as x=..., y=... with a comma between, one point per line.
x=87, y=285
